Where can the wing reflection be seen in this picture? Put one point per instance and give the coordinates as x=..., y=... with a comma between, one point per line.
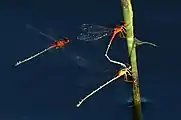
x=81, y=61
x=143, y=101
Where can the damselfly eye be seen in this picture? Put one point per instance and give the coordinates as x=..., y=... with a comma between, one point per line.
x=66, y=40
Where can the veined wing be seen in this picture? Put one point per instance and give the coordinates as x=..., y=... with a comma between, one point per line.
x=92, y=36
x=91, y=28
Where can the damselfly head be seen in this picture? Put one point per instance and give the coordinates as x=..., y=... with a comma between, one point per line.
x=118, y=26
x=128, y=65
x=66, y=40
x=122, y=23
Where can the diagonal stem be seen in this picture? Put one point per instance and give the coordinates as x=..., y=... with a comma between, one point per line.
x=128, y=18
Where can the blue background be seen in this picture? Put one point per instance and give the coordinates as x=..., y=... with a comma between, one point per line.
x=50, y=86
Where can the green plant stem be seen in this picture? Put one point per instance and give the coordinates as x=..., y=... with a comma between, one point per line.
x=128, y=18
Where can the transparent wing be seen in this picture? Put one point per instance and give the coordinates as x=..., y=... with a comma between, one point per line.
x=91, y=28
x=82, y=60
x=31, y=27
x=93, y=36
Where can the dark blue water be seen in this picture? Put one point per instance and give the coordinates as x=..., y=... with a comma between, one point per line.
x=50, y=86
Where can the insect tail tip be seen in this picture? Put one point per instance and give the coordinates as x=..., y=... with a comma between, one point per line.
x=18, y=63
x=15, y=65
